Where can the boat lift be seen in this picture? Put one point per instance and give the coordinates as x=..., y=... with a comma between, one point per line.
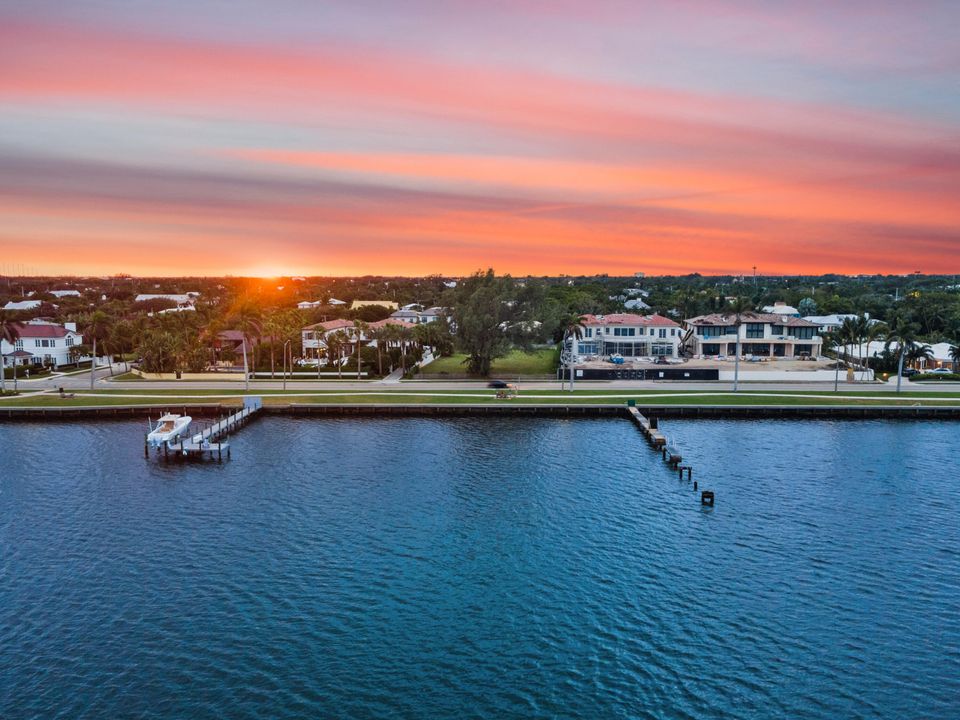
x=209, y=440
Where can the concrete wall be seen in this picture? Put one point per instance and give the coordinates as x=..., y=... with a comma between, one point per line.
x=793, y=375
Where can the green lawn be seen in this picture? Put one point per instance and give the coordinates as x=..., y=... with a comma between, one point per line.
x=479, y=395
x=516, y=362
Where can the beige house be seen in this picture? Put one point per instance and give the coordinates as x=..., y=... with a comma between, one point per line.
x=761, y=335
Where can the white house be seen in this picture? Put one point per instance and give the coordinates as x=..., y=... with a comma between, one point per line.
x=65, y=293
x=314, y=337
x=781, y=308
x=629, y=335
x=416, y=317
x=636, y=304
x=181, y=299
x=761, y=334
x=41, y=343
x=22, y=305
x=826, y=323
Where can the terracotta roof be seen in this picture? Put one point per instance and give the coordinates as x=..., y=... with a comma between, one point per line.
x=628, y=319
x=18, y=354
x=750, y=316
x=331, y=324
x=42, y=331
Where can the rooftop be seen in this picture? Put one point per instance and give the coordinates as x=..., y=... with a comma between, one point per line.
x=749, y=317
x=628, y=319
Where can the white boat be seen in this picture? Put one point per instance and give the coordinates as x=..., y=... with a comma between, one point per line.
x=167, y=428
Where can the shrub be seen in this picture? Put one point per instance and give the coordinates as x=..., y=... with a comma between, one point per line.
x=953, y=377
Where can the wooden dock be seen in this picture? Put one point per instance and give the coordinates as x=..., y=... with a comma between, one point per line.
x=210, y=441
x=649, y=427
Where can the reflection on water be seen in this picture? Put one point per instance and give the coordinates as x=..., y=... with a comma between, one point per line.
x=481, y=567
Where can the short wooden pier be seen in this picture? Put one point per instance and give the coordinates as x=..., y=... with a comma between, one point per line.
x=650, y=429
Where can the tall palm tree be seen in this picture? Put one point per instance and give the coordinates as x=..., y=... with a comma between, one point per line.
x=247, y=317
x=359, y=330
x=738, y=307
x=904, y=335
x=872, y=332
x=379, y=335
x=9, y=333
x=97, y=328
x=573, y=331
x=955, y=356
x=835, y=338
x=335, y=345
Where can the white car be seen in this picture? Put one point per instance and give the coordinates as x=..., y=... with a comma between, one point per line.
x=941, y=371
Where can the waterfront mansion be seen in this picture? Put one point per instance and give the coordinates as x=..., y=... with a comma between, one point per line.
x=761, y=335
x=42, y=343
x=629, y=335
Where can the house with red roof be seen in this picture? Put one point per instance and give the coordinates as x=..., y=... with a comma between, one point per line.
x=628, y=335
x=42, y=343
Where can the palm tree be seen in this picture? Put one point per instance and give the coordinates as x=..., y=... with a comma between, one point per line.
x=572, y=330
x=904, y=335
x=379, y=336
x=835, y=339
x=248, y=319
x=335, y=344
x=738, y=306
x=96, y=328
x=359, y=330
x=918, y=352
x=9, y=333
x=955, y=356
x=873, y=331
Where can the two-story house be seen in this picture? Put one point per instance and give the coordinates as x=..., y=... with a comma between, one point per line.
x=42, y=343
x=629, y=335
x=314, y=337
x=761, y=335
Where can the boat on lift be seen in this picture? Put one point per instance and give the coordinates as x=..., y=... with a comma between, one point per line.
x=168, y=427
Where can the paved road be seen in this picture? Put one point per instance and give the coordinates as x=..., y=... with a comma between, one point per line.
x=81, y=382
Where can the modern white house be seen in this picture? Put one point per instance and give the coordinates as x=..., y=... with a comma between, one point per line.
x=42, y=343
x=761, y=335
x=629, y=335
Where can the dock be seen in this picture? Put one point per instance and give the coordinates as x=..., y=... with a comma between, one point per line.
x=210, y=440
x=649, y=427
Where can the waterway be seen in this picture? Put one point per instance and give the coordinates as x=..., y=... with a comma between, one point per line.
x=486, y=568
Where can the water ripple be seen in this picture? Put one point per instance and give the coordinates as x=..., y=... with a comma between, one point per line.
x=481, y=568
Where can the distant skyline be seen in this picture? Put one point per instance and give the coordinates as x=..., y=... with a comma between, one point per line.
x=380, y=138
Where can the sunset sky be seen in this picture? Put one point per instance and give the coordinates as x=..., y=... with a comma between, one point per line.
x=410, y=137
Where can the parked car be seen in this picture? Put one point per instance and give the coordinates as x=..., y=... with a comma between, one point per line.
x=498, y=384
x=909, y=372
x=941, y=371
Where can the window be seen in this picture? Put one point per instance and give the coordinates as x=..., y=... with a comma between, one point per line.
x=37, y=343
x=662, y=349
x=69, y=340
x=754, y=330
x=673, y=332
x=588, y=332
x=663, y=332
x=624, y=332
x=776, y=329
x=803, y=333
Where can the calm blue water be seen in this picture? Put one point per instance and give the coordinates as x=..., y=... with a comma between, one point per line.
x=482, y=568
